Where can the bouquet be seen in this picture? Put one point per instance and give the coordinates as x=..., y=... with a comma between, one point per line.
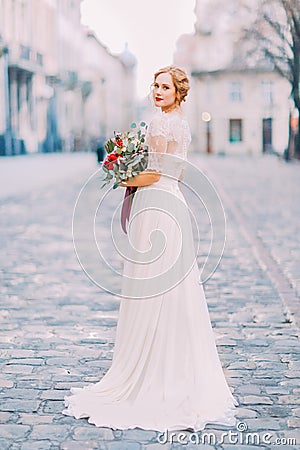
x=127, y=157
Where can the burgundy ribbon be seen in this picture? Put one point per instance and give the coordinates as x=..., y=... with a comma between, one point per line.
x=126, y=207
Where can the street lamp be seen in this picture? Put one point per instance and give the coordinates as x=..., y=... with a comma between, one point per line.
x=206, y=117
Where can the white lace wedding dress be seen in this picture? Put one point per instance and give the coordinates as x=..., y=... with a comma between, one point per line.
x=166, y=373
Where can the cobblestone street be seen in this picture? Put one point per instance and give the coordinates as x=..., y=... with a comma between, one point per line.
x=58, y=328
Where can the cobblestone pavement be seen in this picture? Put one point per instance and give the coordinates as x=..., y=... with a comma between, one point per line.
x=57, y=328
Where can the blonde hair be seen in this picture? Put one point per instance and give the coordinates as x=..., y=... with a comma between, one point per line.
x=180, y=80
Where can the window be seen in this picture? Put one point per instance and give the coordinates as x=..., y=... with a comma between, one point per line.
x=24, y=52
x=235, y=130
x=39, y=59
x=267, y=92
x=235, y=91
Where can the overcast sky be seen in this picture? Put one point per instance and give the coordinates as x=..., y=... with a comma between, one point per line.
x=150, y=27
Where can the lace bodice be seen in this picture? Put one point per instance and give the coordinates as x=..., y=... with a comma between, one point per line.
x=168, y=138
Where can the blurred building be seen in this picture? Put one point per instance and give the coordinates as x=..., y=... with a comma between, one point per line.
x=237, y=104
x=60, y=88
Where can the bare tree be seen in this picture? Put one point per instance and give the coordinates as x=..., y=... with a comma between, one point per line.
x=275, y=36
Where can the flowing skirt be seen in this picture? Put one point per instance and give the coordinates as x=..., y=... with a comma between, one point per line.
x=166, y=373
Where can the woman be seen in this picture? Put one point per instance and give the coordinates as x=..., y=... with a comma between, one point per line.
x=166, y=373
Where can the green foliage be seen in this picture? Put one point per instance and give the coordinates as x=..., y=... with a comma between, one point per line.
x=125, y=159
x=109, y=146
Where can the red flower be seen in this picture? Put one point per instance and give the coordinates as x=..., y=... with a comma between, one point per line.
x=119, y=143
x=110, y=160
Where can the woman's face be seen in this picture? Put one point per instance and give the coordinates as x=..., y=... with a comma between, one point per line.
x=164, y=92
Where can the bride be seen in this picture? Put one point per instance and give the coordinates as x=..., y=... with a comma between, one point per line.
x=165, y=373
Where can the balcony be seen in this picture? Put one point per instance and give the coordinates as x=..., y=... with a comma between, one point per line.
x=25, y=58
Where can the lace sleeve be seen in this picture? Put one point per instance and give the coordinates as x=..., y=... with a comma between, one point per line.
x=170, y=134
x=157, y=141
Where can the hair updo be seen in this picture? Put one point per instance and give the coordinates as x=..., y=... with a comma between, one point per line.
x=180, y=80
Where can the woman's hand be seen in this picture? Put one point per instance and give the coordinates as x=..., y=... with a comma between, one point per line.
x=145, y=178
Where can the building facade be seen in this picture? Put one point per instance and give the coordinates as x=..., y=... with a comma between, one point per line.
x=57, y=80
x=237, y=105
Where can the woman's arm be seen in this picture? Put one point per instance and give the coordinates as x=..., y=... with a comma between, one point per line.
x=144, y=178
x=157, y=145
